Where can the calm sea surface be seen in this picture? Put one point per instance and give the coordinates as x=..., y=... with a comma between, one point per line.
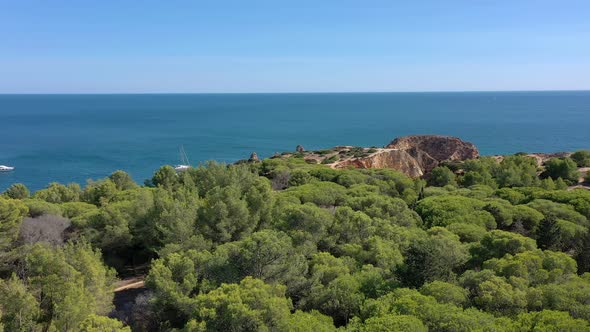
x=69, y=138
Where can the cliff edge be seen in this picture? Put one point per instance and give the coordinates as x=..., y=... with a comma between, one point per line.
x=414, y=155
x=440, y=148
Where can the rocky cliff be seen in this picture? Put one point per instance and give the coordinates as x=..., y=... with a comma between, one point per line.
x=412, y=155
x=436, y=147
x=385, y=158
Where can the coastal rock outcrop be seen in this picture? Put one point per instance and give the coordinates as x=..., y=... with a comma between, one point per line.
x=253, y=157
x=436, y=147
x=414, y=155
x=386, y=158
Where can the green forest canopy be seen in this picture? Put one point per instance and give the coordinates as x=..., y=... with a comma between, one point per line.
x=282, y=245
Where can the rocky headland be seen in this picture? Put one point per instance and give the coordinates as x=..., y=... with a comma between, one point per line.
x=414, y=155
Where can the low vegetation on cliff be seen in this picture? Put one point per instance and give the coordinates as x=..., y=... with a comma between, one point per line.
x=283, y=244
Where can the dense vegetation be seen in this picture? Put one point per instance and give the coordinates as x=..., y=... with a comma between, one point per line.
x=282, y=245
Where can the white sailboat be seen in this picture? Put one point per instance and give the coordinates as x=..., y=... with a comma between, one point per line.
x=184, y=163
x=4, y=168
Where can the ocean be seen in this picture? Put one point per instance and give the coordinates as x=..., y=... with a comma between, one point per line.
x=72, y=138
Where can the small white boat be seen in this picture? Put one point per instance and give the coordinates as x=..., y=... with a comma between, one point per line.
x=185, y=164
x=180, y=168
x=6, y=168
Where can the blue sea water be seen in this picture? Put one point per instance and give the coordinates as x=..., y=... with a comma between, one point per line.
x=71, y=138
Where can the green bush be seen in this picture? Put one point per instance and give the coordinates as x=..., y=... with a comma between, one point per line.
x=17, y=191
x=299, y=177
x=489, y=249
x=564, y=168
x=582, y=158
x=38, y=208
x=442, y=176
x=330, y=160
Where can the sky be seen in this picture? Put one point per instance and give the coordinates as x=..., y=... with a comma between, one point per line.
x=199, y=46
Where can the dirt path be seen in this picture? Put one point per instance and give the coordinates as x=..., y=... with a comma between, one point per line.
x=131, y=283
x=583, y=172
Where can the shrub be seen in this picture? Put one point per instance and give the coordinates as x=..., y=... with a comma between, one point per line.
x=442, y=176
x=299, y=177
x=330, y=160
x=582, y=158
x=17, y=191
x=564, y=168
x=39, y=207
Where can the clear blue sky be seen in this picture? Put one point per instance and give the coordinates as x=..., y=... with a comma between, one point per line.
x=292, y=46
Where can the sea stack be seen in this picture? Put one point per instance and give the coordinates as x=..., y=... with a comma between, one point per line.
x=300, y=148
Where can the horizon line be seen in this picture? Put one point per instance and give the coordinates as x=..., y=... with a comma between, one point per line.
x=288, y=92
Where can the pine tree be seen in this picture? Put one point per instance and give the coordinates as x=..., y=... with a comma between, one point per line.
x=583, y=254
x=549, y=234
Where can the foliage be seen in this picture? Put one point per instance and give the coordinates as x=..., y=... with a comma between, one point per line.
x=450, y=209
x=436, y=256
x=582, y=158
x=442, y=176
x=390, y=322
x=285, y=245
x=436, y=316
x=250, y=305
x=11, y=216
x=38, y=208
x=12, y=213
x=312, y=321
x=122, y=180
x=565, y=168
x=96, y=323
x=99, y=192
x=17, y=191
x=496, y=244
x=19, y=307
x=71, y=279
x=548, y=321
x=58, y=193
x=445, y=292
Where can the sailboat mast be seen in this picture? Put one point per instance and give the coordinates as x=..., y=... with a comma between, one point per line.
x=183, y=157
x=186, y=157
